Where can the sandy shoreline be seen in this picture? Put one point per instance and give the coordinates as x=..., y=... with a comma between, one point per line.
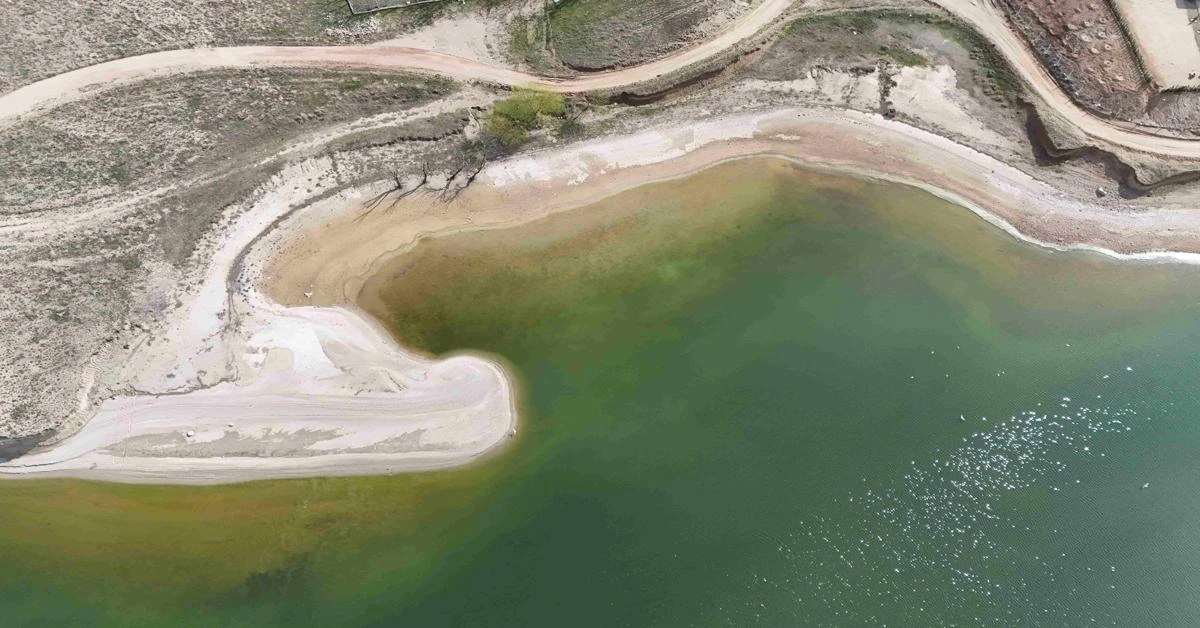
x=305, y=384
x=331, y=395
x=351, y=246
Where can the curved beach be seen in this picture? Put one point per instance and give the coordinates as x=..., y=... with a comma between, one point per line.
x=317, y=388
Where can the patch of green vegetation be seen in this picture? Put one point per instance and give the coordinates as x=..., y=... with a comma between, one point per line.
x=314, y=17
x=528, y=43
x=904, y=57
x=520, y=44
x=351, y=84
x=570, y=128
x=513, y=118
x=999, y=78
x=861, y=22
x=121, y=165
x=520, y=40
x=530, y=107
x=509, y=133
x=575, y=19
x=600, y=34
x=19, y=412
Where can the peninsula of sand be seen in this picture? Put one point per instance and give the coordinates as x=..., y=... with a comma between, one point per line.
x=298, y=381
x=321, y=389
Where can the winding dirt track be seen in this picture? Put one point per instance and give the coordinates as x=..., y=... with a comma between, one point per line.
x=988, y=20
x=980, y=14
x=77, y=84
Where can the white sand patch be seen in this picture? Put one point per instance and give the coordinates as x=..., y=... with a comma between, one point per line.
x=304, y=409
x=175, y=365
x=932, y=94
x=577, y=163
x=465, y=35
x=833, y=88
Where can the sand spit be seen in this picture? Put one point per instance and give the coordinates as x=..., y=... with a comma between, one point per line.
x=240, y=388
x=332, y=396
x=297, y=381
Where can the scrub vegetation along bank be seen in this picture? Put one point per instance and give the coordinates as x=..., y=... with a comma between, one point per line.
x=512, y=119
x=580, y=36
x=593, y=35
x=143, y=224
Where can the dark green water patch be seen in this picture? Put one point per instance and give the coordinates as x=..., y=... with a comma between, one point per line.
x=755, y=396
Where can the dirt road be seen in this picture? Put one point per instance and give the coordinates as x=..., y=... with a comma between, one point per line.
x=980, y=14
x=990, y=22
x=77, y=84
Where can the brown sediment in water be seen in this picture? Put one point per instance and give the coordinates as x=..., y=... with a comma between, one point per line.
x=328, y=258
x=422, y=294
x=325, y=255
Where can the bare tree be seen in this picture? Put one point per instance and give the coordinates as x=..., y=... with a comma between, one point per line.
x=398, y=190
x=477, y=168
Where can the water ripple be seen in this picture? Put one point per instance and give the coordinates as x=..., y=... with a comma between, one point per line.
x=934, y=547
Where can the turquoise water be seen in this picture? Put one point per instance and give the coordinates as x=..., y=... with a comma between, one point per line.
x=757, y=396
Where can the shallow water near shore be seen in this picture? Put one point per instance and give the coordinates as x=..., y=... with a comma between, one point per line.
x=754, y=396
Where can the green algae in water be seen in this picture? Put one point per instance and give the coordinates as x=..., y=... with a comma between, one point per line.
x=742, y=395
